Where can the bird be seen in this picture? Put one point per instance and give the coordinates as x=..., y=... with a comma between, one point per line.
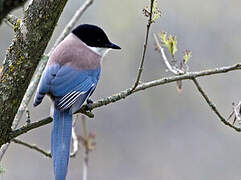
x=69, y=79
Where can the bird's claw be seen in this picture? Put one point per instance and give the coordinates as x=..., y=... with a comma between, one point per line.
x=89, y=101
x=89, y=104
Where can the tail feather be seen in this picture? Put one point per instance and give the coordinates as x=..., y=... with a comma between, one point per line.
x=60, y=142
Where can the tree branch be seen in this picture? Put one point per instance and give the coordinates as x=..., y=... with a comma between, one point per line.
x=29, y=127
x=32, y=146
x=48, y=154
x=32, y=35
x=11, y=20
x=126, y=93
x=213, y=106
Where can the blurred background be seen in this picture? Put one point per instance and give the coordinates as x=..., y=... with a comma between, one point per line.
x=157, y=133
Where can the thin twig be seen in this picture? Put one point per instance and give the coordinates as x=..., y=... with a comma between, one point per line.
x=171, y=68
x=3, y=150
x=75, y=142
x=144, y=48
x=11, y=20
x=32, y=146
x=85, y=166
x=48, y=154
x=213, y=106
x=72, y=22
x=28, y=127
x=86, y=153
x=237, y=111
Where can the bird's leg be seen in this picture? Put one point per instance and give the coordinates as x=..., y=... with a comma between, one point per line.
x=89, y=104
x=89, y=101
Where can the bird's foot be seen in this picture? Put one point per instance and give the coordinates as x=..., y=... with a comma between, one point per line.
x=89, y=101
x=89, y=104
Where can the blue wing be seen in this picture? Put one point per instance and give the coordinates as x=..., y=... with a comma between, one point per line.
x=69, y=87
x=45, y=83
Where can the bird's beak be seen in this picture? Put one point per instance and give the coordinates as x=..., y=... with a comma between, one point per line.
x=112, y=46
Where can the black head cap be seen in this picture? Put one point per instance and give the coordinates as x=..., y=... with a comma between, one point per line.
x=93, y=36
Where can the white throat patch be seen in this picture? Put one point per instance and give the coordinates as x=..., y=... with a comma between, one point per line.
x=101, y=51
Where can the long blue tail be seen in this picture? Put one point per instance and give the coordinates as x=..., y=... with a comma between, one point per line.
x=60, y=142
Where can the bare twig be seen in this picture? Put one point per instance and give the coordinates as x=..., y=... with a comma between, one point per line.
x=85, y=166
x=48, y=154
x=72, y=22
x=7, y=6
x=171, y=68
x=144, y=48
x=237, y=111
x=86, y=153
x=32, y=146
x=213, y=106
x=11, y=20
x=30, y=126
x=3, y=150
x=87, y=141
x=75, y=142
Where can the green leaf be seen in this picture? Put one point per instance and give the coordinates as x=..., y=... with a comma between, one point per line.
x=155, y=11
x=187, y=56
x=170, y=42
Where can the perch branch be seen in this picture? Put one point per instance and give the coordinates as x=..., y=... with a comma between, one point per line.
x=143, y=86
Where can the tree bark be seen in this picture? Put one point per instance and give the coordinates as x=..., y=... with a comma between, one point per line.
x=32, y=35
